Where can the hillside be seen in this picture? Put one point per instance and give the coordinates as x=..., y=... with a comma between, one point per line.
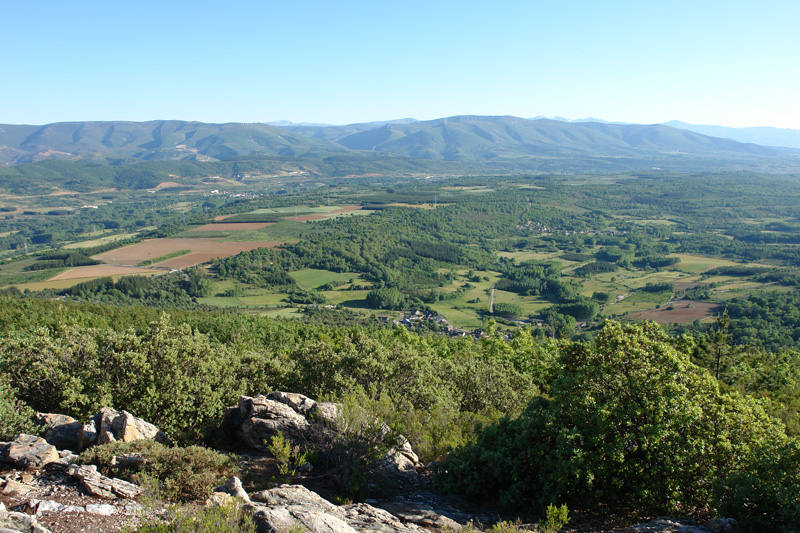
x=503, y=143
x=760, y=135
x=482, y=138
x=153, y=140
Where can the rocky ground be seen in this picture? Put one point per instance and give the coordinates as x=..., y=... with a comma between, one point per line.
x=43, y=489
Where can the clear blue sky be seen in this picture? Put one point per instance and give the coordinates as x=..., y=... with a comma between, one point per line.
x=720, y=62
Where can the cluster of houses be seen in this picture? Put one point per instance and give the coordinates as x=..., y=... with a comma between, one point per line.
x=431, y=321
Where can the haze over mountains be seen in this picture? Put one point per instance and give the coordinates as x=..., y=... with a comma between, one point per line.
x=759, y=135
x=503, y=141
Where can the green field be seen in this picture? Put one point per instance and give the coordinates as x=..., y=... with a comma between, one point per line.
x=310, y=278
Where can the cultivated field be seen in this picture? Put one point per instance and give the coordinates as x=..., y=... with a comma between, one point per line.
x=201, y=250
x=328, y=213
x=99, y=271
x=680, y=311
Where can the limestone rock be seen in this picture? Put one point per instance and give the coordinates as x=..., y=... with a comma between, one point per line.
x=363, y=517
x=102, y=509
x=221, y=499
x=298, y=495
x=29, y=451
x=113, y=425
x=299, y=403
x=326, y=412
x=421, y=514
x=671, y=525
x=281, y=519
x=258, y=418
x=44, y=506
x=234, y=487
x=313, y=425
x=286, y=506
x=19, y=522
x=62, y=431
x=98, y=485
x=15, y=489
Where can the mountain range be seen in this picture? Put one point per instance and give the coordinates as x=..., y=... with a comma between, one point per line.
x=499, y=141
x=759, y=135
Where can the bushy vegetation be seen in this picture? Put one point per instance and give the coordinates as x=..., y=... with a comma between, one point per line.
x=763, y=494
x=15, y=416
x=627, y=420
x=182, y=474
x=179, y=373
x=214, y=519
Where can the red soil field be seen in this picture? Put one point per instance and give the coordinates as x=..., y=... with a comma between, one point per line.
x=680, y=312
x=99, y=271
x=202, y=250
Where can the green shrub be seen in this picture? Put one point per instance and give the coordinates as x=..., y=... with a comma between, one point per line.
x=764, y=495
x=170, y=375
x=215, y=519
x=183, y=474
x=15, y=416
x=555, y=519
x=289, y=458
x=628, y=420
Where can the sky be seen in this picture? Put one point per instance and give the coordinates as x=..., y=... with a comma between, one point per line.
x=703, y=61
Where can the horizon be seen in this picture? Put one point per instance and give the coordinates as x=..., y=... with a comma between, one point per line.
x=286, y=122
x=718, y=63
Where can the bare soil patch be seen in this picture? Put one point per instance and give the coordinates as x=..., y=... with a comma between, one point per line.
x=202, y=250
x=223, y=217
x=232, y=226
x=100, y=271
x=682, y=311
x=168, y=185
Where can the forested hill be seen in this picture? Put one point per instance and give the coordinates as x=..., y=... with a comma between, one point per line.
x=508, y=142
x=485, y=138
x=158, y=139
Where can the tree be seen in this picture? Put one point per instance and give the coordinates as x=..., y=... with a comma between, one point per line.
x=628, y=420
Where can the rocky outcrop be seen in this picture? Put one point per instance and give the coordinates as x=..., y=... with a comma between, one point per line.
x=313, y=425
x=256, y=419
x=28, y=452
x=364, y=517
x=19, y=522
x=286, y=507
x=95, y=484
x=62, y=431
x=109, y=425
x=671, y=525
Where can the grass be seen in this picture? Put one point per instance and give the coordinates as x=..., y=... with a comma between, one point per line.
x=171, y=255
x=340, y=297
x=697, y=264
x=283, y=231
x=14, y=273
x=48, y=284
x=311, y=278
x=100, y=241
x=637, y=301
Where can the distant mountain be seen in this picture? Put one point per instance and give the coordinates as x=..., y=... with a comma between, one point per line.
x=471, y=142
x=759, y=135
x=154, y=140
x=505, y=138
